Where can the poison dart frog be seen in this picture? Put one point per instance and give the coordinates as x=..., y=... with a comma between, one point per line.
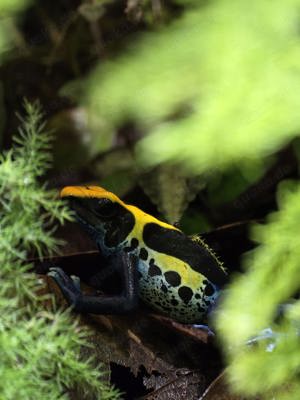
x=165, y=268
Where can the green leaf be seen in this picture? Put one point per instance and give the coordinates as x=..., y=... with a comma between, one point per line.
x=251, y=304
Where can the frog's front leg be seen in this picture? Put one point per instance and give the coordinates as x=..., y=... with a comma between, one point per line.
x=119, y=304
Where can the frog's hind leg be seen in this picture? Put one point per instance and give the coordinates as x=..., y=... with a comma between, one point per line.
x=118, y=304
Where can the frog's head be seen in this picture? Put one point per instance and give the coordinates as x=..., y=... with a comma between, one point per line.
x=101, y=213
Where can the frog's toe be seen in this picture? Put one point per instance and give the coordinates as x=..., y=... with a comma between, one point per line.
x=69, y=287
x=56, y=273
x=59, y=276
x=76, y=281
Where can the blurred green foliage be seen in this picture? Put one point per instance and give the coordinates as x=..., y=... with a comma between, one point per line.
x=40, y=349
x=8, y=7
x=251, y=304
x=218, y=86
x=170, y=189
x=7, y=10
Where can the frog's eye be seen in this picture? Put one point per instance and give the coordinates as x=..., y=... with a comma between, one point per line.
x=105, y=208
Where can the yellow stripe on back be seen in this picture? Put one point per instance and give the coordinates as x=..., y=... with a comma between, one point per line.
x=142, y=218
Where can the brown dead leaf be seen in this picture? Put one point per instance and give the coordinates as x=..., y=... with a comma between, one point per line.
x=184, y=384
x=201, y=333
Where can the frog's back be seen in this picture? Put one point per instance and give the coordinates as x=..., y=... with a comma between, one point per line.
x=177, y=276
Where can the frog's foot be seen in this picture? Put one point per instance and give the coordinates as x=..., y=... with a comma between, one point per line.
x=119, y=304
x=70, y=286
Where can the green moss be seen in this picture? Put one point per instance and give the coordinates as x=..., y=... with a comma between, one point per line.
x=39, y=349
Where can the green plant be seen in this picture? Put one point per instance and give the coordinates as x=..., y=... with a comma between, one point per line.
x=251, y=305
x=7, y=10
x=40, y=350
x=218, y=86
